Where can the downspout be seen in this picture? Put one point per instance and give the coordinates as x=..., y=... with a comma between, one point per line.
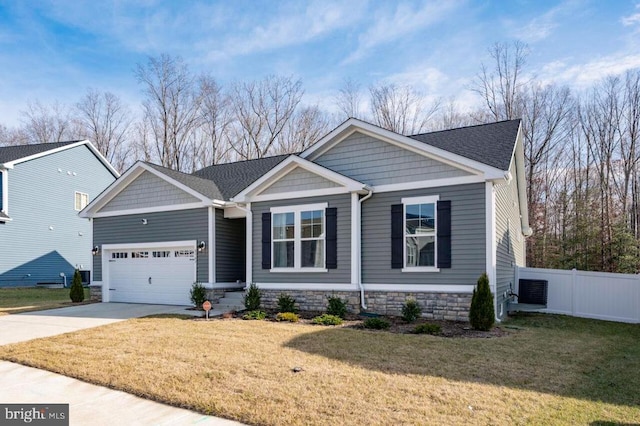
x=359, y=260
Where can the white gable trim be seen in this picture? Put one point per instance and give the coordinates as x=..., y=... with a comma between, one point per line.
x=353, y=125
x=518, y=157
x=114, y=172
x=93, y=208
x=460, y=180
x=291, y=163
x=157, y=209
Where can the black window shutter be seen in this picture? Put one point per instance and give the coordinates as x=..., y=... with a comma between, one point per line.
x=266, y=240
x=444, y=234
x=397, y=236
x=331, y=218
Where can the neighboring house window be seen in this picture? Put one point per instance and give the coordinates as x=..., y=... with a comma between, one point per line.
x=421, y=234
x=81, y=200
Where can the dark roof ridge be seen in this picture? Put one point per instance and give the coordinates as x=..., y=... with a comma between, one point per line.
x=11, y=153
x=247, y=160
x=465, y=127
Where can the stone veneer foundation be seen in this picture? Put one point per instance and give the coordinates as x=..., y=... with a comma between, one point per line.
x=95, y=293
x=438, y=306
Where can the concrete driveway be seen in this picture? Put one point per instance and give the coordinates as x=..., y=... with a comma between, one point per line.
x=32, y=325
x=88, y=404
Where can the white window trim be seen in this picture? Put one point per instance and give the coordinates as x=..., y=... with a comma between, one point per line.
x=297, y=238
x=4, y=183
x=75, y=195
x=428, y=199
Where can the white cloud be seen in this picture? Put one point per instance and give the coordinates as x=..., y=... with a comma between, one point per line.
x=582, y=76
x=294, y=27
x=423, y=78
x=543, y=26
x=630, y=20
x=390, y=25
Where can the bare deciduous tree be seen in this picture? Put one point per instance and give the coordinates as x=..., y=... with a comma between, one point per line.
x=501, y=85
x=349, y=100
x=53, y=123
x=400, y=109
x=262, y=110
x=171, y=109
x=105, y=120
x=215, y=118
x=306, y=126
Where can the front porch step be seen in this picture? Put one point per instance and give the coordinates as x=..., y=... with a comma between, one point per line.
x=232, y=301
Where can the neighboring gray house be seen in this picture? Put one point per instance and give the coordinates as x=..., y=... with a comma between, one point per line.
x=365, y=213
x=42, y=189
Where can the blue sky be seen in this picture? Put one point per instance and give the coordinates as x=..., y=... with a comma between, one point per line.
x=56, y=50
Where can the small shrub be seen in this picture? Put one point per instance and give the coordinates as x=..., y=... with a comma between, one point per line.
x=286, y=303
x=411, y=310
x=427, y=328
x=287, y=316
x=326, y=319
x=337, y=307
x=76, y=293
x=481, y=314
x=255, y=315
x=376, y=323
x=252, y=298
x=197, y=294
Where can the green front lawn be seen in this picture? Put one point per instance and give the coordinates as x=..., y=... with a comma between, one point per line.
x=547, y=370
x=25, y=299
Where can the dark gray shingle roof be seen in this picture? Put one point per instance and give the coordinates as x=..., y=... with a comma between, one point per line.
x=16, y=152
x=203, y=186
x=491, y=144
x=232, y=178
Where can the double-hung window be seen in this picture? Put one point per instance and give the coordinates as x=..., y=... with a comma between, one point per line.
x=420, y=235
x=298, y=238
x=81, y=200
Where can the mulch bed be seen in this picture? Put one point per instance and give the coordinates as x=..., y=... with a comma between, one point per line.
x=454, y=329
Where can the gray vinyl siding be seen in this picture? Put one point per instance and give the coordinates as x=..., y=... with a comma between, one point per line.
x=148, y=190
x=230, y=249
x=510, y=243
x=181, y=225
x=468, y=248
x=341, y=275
x=299, y=180
x=376, y=162
x=46, y=236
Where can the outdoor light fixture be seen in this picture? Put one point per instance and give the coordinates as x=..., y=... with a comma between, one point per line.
x=201, y=246
x=95, y=250
x=144, y=221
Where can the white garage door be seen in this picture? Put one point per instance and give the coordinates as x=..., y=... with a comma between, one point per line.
x=151, y=275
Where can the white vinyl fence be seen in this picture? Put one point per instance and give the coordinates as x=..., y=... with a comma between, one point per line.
x=600, y=295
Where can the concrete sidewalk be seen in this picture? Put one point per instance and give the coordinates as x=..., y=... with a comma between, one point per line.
x=88, y=404
x=91, y=404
